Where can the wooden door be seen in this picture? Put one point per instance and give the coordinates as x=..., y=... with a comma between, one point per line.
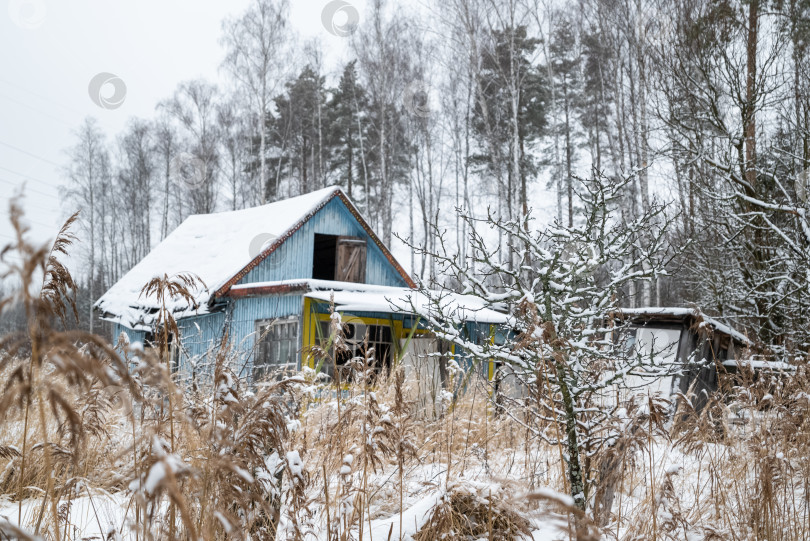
x=350, y=260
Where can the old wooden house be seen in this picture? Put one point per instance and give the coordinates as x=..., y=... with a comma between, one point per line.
x=270, y=274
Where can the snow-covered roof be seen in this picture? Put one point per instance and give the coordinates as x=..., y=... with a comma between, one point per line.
x=760, y=365
x=460, y=308
x=367, y=298
x=682, y=313
x=215, y=247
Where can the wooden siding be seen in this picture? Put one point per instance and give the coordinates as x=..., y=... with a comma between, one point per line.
x=246, y=312
x=293, y=259
x=132, y=335
x=200, y=336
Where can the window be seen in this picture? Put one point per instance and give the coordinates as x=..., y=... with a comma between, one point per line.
x=339, y=258
x=276, y=347
x=661, y=343
x=359, y=338
x=657, y=348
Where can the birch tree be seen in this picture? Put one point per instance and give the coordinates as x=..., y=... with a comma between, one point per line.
x=165, y=148
x=85, y=176
x=257, y=45
x=384, y=61
x=194, y=106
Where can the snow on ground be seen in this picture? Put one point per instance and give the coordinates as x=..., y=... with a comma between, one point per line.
x=97, y=513
x=91, y=516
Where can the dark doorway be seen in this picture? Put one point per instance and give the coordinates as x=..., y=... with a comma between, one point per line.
x=340, y=258
x=323, y=257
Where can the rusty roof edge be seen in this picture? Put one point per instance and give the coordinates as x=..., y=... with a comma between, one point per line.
x=260, y=290
x=223, y=290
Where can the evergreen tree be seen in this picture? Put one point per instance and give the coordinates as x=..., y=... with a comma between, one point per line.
x=295, y=131
x=507, y=69
x=566, y=62
x=347, y=114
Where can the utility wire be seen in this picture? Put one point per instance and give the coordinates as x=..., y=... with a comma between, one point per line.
x=41, y=96
x=18, y=149
x=37, y=110
x=27, y=189
x=27, y=176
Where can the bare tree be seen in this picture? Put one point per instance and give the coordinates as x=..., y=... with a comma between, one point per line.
x=561, y=332
x=85, y=177
x=384, y=60
x=257, y=46
x=194, y=106
x=234, y=140
x=135, y=177
x=165, y=147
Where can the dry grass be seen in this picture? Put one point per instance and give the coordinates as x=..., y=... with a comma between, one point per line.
x=84, y=423
x=463, y=513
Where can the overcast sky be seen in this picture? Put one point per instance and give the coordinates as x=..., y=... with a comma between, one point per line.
x=51, y=49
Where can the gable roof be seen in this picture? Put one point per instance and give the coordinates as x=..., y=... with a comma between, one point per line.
x=216, y=247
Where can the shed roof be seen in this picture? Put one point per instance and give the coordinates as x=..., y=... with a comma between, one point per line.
x=657, y=313
x=217, y=248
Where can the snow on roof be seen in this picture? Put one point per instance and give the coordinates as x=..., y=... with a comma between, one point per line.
x=682, y=313
x=760, y=364
x=214, y=247
x=361, y=298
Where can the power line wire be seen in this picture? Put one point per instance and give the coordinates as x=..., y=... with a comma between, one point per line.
x=37, y=110
x=18, y=149
x=27, y=176
x=41, y=96
x=18, y=185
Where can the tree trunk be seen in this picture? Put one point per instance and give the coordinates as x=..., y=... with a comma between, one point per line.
x=263, y=147
x=568, y=151
x=750, y=96
x=575, y=477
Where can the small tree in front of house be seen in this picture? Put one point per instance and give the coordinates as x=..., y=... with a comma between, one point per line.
x=561, y=304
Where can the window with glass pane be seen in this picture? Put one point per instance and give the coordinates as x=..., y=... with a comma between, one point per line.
x=359, y=338
x=277, y=346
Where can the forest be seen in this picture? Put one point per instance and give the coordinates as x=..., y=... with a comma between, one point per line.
x=570, y=165
x=501, y=107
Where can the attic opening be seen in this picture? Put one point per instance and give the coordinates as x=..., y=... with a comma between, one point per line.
x=340, y=258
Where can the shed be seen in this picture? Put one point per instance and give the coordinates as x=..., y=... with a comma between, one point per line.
x=695, y=344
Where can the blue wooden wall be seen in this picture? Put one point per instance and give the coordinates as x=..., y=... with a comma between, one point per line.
x=293, y=259
x=133, y=336
x=201, y=335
